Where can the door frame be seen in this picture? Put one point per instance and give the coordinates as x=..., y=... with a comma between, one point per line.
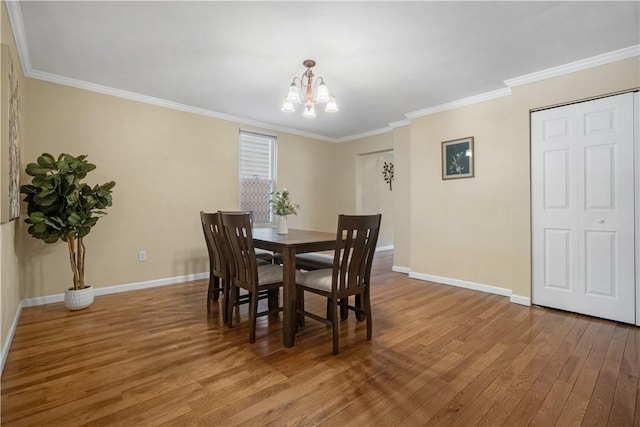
x=636, y=148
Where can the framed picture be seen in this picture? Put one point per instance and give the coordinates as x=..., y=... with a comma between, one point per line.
x=457, y=158
x=9, y=138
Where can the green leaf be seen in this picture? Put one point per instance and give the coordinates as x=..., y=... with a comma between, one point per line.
x=46, y=201
x=45, y=192
x=39, y=228
x=36, y=217
x=44, y=181
x=52, y=239
x=28, y=189
x=46, y=160
x=33, y=169
x=74, y=219
x=63, y=167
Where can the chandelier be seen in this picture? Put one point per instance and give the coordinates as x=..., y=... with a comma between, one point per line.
x=320, y=94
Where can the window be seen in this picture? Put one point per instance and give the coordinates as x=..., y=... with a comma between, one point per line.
x=257, y=174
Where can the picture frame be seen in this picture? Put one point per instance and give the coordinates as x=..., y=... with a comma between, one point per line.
x=457, y=158
x=9, y=138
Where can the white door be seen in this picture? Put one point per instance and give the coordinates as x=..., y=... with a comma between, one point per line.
x=582, y=186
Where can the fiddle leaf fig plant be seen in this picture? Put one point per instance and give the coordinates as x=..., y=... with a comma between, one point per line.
x=62, y=207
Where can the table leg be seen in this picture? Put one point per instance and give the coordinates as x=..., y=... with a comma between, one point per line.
x=289, y=296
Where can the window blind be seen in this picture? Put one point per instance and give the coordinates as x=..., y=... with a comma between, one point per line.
x=257, y=174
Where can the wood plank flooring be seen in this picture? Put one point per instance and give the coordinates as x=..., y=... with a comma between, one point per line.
x=440, y=356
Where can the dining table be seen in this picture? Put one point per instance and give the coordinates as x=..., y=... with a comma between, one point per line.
x=294, y=242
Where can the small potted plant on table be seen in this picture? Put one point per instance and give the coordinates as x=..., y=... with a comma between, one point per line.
x=283, y=206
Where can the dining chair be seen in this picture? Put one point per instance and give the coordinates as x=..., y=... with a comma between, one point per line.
x=356, y=240
x=218, y=267
x=246, y=273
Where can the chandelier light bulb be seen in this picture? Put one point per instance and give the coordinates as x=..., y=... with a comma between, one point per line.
x=287, y=107
x=332, y=106
x=309, y=111
x=293, y=96
x=322, y=94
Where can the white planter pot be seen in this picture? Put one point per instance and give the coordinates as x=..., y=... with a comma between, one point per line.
x=78, y=299
x=283, y=228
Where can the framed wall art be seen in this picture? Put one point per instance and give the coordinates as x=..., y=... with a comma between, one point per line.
x=9, y=138
x=457, y=158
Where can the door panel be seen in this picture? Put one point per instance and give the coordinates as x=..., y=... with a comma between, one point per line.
x=600, y=181
x=600, y=262
x=583, y=230
x=556, y=179
x=557, y=266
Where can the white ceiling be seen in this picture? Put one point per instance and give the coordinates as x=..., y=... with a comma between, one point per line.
x=382, y=60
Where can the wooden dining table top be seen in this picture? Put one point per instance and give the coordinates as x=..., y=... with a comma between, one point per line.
x=307, y=240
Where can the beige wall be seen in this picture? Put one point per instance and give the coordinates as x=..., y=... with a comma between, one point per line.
x=460, y=228
x=168, y=165
x=305, y=167
x=478, y=229
x=9, y=270
x=402, y=197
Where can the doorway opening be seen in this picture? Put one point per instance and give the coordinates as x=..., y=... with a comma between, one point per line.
x=374, y=194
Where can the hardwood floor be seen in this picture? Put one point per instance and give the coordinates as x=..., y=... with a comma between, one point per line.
x=440, y=355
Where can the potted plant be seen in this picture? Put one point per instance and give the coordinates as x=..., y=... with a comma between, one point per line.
x=283, y=206
x=62, y=207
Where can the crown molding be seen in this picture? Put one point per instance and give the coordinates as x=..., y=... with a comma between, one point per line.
x=461, y=103
x=364, y=134
x=17, y=24
x=391, y=126
x=399, y=123
x=80, y=84
x=572, y=67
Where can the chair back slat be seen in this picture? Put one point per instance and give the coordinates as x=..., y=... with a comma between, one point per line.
x=356, y=241
x=237, y=229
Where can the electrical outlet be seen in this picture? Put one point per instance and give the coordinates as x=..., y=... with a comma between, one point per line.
x=142, y=256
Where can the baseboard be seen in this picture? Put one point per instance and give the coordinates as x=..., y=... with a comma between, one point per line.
x=48, y=299
x=9, y=340
x=398, y=269
x=30, y=302
x=519, y=299
x=384, y=248
x=150, y=284
x=462, y=284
